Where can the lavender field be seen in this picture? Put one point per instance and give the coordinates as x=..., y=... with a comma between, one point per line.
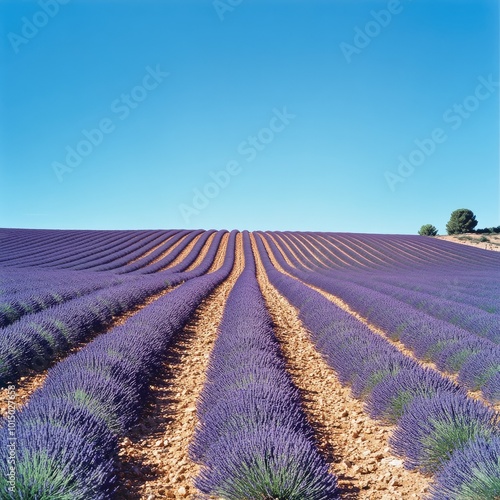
x=237, y=365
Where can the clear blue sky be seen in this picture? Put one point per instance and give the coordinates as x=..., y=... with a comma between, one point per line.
x=309, y=112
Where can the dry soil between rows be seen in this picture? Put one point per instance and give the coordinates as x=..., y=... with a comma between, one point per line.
x=150, y=251
x=183, y=254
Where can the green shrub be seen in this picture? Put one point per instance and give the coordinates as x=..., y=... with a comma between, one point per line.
x=428, y=230
x=461, y=221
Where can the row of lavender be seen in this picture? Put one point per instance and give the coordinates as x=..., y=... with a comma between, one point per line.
x=25, y=291
x=133, y=259
x=468, y=317
x=478, y=287
x=142, y=251
x=410, y=251
x=450, y=347
x=342, y=250
x=474, y=313
x=438, y=428
x=470, y=267
x=18, y=243
x=114, y=255
x=384, y=252
x=138, y=254
x=453, y=349
x=36, y=339
x=80, y=249
x=254, y=440
x=81, y=255
x=161, y=258
x=65, y=438
x=34, y=250
x=479, y=290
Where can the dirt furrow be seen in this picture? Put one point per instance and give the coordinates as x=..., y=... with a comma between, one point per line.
x=184, y=253
x=150, y=251
x=221, y=254
x=202, y=254
x=23, y=389
x=355, y=446
x=168, y=250
x=154, y=456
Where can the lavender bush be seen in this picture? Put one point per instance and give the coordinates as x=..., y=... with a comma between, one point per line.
x=472, y=473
